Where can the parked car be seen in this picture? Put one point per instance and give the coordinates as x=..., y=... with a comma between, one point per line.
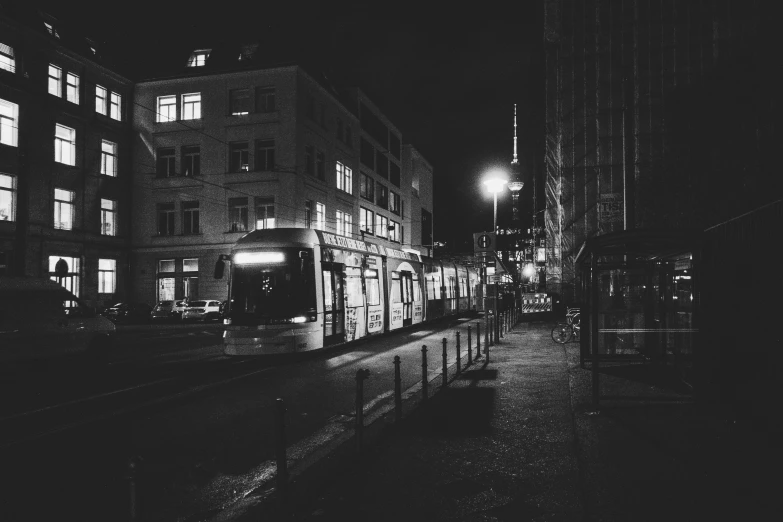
x=162, y=312
x=177, y=308
x=128, y=313
x=204, y=310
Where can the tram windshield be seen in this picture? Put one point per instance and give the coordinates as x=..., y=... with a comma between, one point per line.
x=277, y=288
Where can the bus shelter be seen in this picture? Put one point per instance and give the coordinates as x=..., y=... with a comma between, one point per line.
x=640, y=290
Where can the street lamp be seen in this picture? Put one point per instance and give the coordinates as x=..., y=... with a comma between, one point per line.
x=495, y=182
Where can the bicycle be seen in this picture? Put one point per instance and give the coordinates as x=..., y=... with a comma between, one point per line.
x=563, y=332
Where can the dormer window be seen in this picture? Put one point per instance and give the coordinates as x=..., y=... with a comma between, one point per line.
x=52, y=30
x=247, y=52
x=199, y=58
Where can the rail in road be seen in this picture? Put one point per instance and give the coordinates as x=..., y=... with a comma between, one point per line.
x=204, y=432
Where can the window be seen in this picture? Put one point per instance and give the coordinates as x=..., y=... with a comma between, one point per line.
x=72, y=88
x=166, y=215
x=191, y=106
x=64, y=144
x=309, y=160
x=166, y=265
x=52, y=30
x=166, y=163
x=320, y=165
x=198, y=58
x=395, y=232
x=71, y=279
x=320, y=216
x=7, y=198
x=190, y=264
x=394, y=173
x=107, y=276
x=238, y=157
x=394, y=202
x=237, y=214
x=265, y=213
x=9, y=123
x=167, y=108
x=55, y=80
x=63, y=209
x=191, y=160
x=190, y=217
x=344, y=225
x=344, y=178
x=265, y=99
x=265, y=155
x=100, y=100
x=366, y=220
x=108, y=158
x=108, y=217
x=367, y=187
x=381, y=226
x=381, y=164
x=115, y=106
x=239, y=102
x=7, y=58
x=308, y=217
x=367, y=154
x=383, y=196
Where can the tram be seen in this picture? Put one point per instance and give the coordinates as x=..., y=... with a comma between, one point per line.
x=295, y=290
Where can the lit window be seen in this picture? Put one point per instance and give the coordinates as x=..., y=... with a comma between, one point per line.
x=344, y=225
x=320, y=216
x=55, y=80
x=339, y=228
x=190, y=264
x=100, y=99
x=190, y=217
x=107, y=276
x=265, y=99
x=9, y=123
x=395, y=232
x=166, y=214
x=108, y=217
x=191, y=106
x=72, y=275
x=64, y=144
x=7, y=58
x=238, y=157
x=265, y=155
x=52, y=30
x=166, y=163
x=108, y=158
x=394, y=203
x=383, y=196
x=167, y=108
x=63, y=209
x=7, y=198
x=198, y=58
x=344, y=178
x=72, y=88
x=265, y=213
x=237, y=214
x=166, y=265
x=381, y=226
x=115, y=106
x=191, y=161
x=239, y=102
x=366, y=220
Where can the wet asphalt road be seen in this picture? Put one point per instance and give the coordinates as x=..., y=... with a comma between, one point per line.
x=202, y=423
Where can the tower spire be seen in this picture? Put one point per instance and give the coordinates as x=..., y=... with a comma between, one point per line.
x=514, y=161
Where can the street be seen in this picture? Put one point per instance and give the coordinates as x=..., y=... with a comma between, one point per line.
x=201, y=422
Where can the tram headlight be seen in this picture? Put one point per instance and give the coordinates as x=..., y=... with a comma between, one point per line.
x=258, y=258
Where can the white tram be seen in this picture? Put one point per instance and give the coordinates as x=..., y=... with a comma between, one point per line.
x=294, y=290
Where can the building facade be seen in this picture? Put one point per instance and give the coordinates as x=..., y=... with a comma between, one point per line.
x=221, y=152
x=65, y=159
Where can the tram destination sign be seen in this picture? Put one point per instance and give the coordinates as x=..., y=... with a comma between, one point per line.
x=333, y=240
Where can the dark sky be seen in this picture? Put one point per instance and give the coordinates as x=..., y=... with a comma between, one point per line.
x=447, y=78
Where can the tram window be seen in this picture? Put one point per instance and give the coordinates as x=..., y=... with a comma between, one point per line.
x=328, y=290
x=373, y=290
x=395, y=288
x=416, y=289
x=353, y=287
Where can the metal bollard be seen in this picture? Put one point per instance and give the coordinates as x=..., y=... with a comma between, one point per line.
x=459, y=358
x=424, y=372
x=487, y=330
x=470, y=350
x=478, y=340
x=133, y=469
x=361, y=375
x=397, y=390
x=500, y=325
x=280, y=451
x=445, y=380
x=491, y=332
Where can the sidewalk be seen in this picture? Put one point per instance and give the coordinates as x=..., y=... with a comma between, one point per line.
x=517, y=439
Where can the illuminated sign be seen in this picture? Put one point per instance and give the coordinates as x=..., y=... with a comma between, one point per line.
x=257, y=258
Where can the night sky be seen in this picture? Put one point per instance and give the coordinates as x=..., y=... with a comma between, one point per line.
x=448, y=79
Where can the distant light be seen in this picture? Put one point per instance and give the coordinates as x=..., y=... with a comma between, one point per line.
x=495, y=181
x=300, y=319
x=528, y=271
x=256, y=258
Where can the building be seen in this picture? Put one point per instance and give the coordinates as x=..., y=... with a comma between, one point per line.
x=228, y=144
x=417, y=176
x=65, y=158
x=658, y=114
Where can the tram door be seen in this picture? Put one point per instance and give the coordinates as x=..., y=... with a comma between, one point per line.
x=334, y=303
x=406, y=281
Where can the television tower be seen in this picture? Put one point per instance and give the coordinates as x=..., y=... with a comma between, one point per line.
x=516, y=184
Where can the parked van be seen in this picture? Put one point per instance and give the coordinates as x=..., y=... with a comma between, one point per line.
x=39, y=319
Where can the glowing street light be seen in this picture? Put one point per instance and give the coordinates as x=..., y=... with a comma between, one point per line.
x=495, y=182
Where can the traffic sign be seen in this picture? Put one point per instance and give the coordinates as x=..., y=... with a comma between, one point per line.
x=484, y=242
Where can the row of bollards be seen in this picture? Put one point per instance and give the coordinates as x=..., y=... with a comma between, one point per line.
x=501, y=323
